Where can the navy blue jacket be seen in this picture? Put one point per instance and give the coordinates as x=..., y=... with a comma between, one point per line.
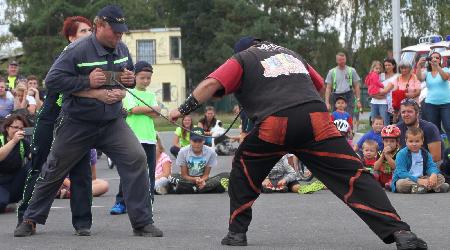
x=70, y=74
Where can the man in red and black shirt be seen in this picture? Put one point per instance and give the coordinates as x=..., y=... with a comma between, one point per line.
x=280, y=93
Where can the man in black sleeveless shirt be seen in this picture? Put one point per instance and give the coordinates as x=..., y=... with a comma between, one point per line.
x=279, y=92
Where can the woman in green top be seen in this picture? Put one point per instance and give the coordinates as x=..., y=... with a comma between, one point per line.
x=181, y=138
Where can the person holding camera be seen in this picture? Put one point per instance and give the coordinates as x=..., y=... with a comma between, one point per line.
x=437, y=102
x=13, y=153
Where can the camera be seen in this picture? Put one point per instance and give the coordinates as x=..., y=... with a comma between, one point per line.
x=428, y=58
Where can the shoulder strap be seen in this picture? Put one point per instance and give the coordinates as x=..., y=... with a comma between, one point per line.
x=349, y=73
x=350, y=76
x=333, y=78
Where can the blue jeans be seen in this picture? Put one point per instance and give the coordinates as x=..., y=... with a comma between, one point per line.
x=380, y=110
x=438, y=114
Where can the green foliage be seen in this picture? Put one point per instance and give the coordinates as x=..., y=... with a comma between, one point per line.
x=211, y=27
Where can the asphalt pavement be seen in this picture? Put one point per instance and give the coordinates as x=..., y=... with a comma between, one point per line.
x=280, y=221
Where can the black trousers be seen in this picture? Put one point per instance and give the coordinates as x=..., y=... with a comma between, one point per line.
x=307, y=131
x=80, y=175
x=73, y=138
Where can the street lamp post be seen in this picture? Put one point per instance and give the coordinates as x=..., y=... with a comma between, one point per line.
x=397, y=35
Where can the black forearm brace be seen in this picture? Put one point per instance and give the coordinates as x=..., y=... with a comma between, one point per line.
x=189, y=105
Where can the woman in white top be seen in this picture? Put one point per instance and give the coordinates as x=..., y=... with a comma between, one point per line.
x=384, y=99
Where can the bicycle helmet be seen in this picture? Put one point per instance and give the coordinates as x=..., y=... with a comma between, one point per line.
x=342, y=125
x=390, y=131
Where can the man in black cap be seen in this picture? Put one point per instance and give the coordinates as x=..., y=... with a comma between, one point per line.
x=13, y=74
x=279, y=91
x=97, y=61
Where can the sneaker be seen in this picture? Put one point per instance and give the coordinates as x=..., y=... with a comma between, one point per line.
x=161, y=190
x=83, y=232
x=235, y=239
x=225, y=182
x=408, y=240
x=311, y=188
x=26, y=228
x=443, y=188
x=10, y=208
x=418, y=189
x=118, y=208
x=148, y=231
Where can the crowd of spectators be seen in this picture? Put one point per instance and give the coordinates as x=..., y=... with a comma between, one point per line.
x=403, y=114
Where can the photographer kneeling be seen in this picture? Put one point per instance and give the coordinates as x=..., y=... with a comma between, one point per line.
x=14, y=152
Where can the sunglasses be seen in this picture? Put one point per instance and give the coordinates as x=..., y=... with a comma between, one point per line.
x=409, y=101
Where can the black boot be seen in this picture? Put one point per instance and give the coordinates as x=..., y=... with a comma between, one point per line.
x=235, y=239
x=26, y=228
x=148, y=231
x=408, y=240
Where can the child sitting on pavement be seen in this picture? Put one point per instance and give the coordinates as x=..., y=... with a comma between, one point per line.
x=369, y=150
x=373, y=134
x=385, y=164
x=282, y=177
x=344, y=129
x=196, y=162
x=415, y=170
x=163, y=169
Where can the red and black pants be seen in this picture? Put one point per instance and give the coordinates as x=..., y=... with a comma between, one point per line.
x=307, y=131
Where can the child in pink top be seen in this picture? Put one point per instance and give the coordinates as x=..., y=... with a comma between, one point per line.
x=372, y=80
x=163, y=169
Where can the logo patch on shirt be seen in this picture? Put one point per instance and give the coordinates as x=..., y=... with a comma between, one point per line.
x=283, y=64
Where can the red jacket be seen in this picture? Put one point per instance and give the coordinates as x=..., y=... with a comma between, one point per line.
x=373, y=83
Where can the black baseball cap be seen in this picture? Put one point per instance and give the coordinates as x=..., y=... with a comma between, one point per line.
x=340, y=98
x=113, y=14
x=244, y=43
x=197, y=133
x=142, y=66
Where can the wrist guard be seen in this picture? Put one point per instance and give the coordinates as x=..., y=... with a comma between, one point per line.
x=189, y=105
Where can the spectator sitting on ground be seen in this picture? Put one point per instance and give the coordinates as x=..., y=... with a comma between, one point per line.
x=196, y=162
x=385, y=164
x=6, y=104
x=14, y=152
x=22, y=101
x=373, y=134
x=207, y=123
x=369, y=155
x=181, y=138
x=282, y=177
x=99, y=186
x=163, y=168
x=344, y=128
x=409, y=110
x=415, y=170
x=33, y=84
x=223, y=144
